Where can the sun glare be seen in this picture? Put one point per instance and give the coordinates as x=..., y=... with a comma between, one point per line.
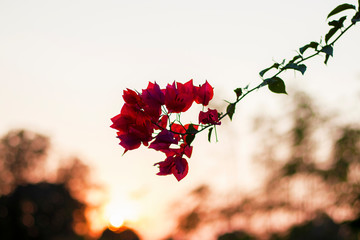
x=120, y=212
x=116, y=220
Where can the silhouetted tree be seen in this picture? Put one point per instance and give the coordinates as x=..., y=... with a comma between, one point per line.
x=321, y=227
x=236, y=235
x=121, y=234
x=40, y=211
x=22, y=154
x=75, y=175
x=30, y=210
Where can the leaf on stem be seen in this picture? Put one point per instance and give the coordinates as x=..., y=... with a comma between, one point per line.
x=295, y=58
x=190, y=134
x=189, y=138
x=313, y=45
x=331, y=33
x=298, y=67
x=341, y=8
x=191, y=129
x=356, y=17
x=328, y=49
x=338, y=23
x=326, y=58
x=275, y=65
x=230, y=110
x=209, y=134
x=238, y=92
x=276, y=85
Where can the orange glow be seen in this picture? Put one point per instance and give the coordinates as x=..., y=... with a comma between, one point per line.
x=116, y=220
x=120, y=212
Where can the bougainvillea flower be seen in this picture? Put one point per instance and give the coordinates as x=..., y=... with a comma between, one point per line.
x=153, y=98
x=133, y=115
x=153, y=94
x=209, y=117
x=181, y=168
x=134, y=127
x=163, y=140
x=180, y=130
x=162, y=123
x=176, y=165
x=129, y=141
x=185, y=149
x=130, y=133
x=132, y=97
x=146, y=118
x=204, y=94
x=179, y=97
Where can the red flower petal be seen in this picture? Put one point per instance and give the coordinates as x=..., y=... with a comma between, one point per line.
x=131, y=97
x=163, y=140
x=204, y=94
x=129, y=142
x=153, y=98
x=162, y=123
x=165, y=167
x=179, y=97
x=209, y=117
x=181, y=168
x=175, y=165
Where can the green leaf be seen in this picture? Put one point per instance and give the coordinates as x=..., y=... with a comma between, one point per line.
x=314, y=44
x=190, y=134
x=277, y=85
x=331, y=33
x=338, y=23
x=189, y=138
x=356, y=17
x=261, y=73
x=238, y=92
x=310, y=45
x=191, y=129
x=230, y=110
x=341, y=8
x=209, y=134
x=328, y=49
x=326, y=58
x=303, y=49
x=275, y=65
x=295, y=58
x=298, y=67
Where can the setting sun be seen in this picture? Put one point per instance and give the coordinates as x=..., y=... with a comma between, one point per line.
x=116, y=220
x=120, y=212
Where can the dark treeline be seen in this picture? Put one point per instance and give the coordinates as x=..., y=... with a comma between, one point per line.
x=35, y=205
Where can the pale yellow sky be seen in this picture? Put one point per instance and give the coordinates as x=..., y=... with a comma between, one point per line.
x=64, y=65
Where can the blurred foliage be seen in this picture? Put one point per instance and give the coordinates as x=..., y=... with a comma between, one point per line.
x=36, y=203
x=312, y=187
x=22, y=154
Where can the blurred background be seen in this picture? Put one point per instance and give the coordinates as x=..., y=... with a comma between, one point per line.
x=286, y=167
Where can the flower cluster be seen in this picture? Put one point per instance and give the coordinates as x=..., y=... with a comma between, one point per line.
x=145, y=118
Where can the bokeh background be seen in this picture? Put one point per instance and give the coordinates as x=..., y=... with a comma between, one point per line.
x=64, y=65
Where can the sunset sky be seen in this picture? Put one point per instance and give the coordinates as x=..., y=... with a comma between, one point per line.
x=64, y=65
